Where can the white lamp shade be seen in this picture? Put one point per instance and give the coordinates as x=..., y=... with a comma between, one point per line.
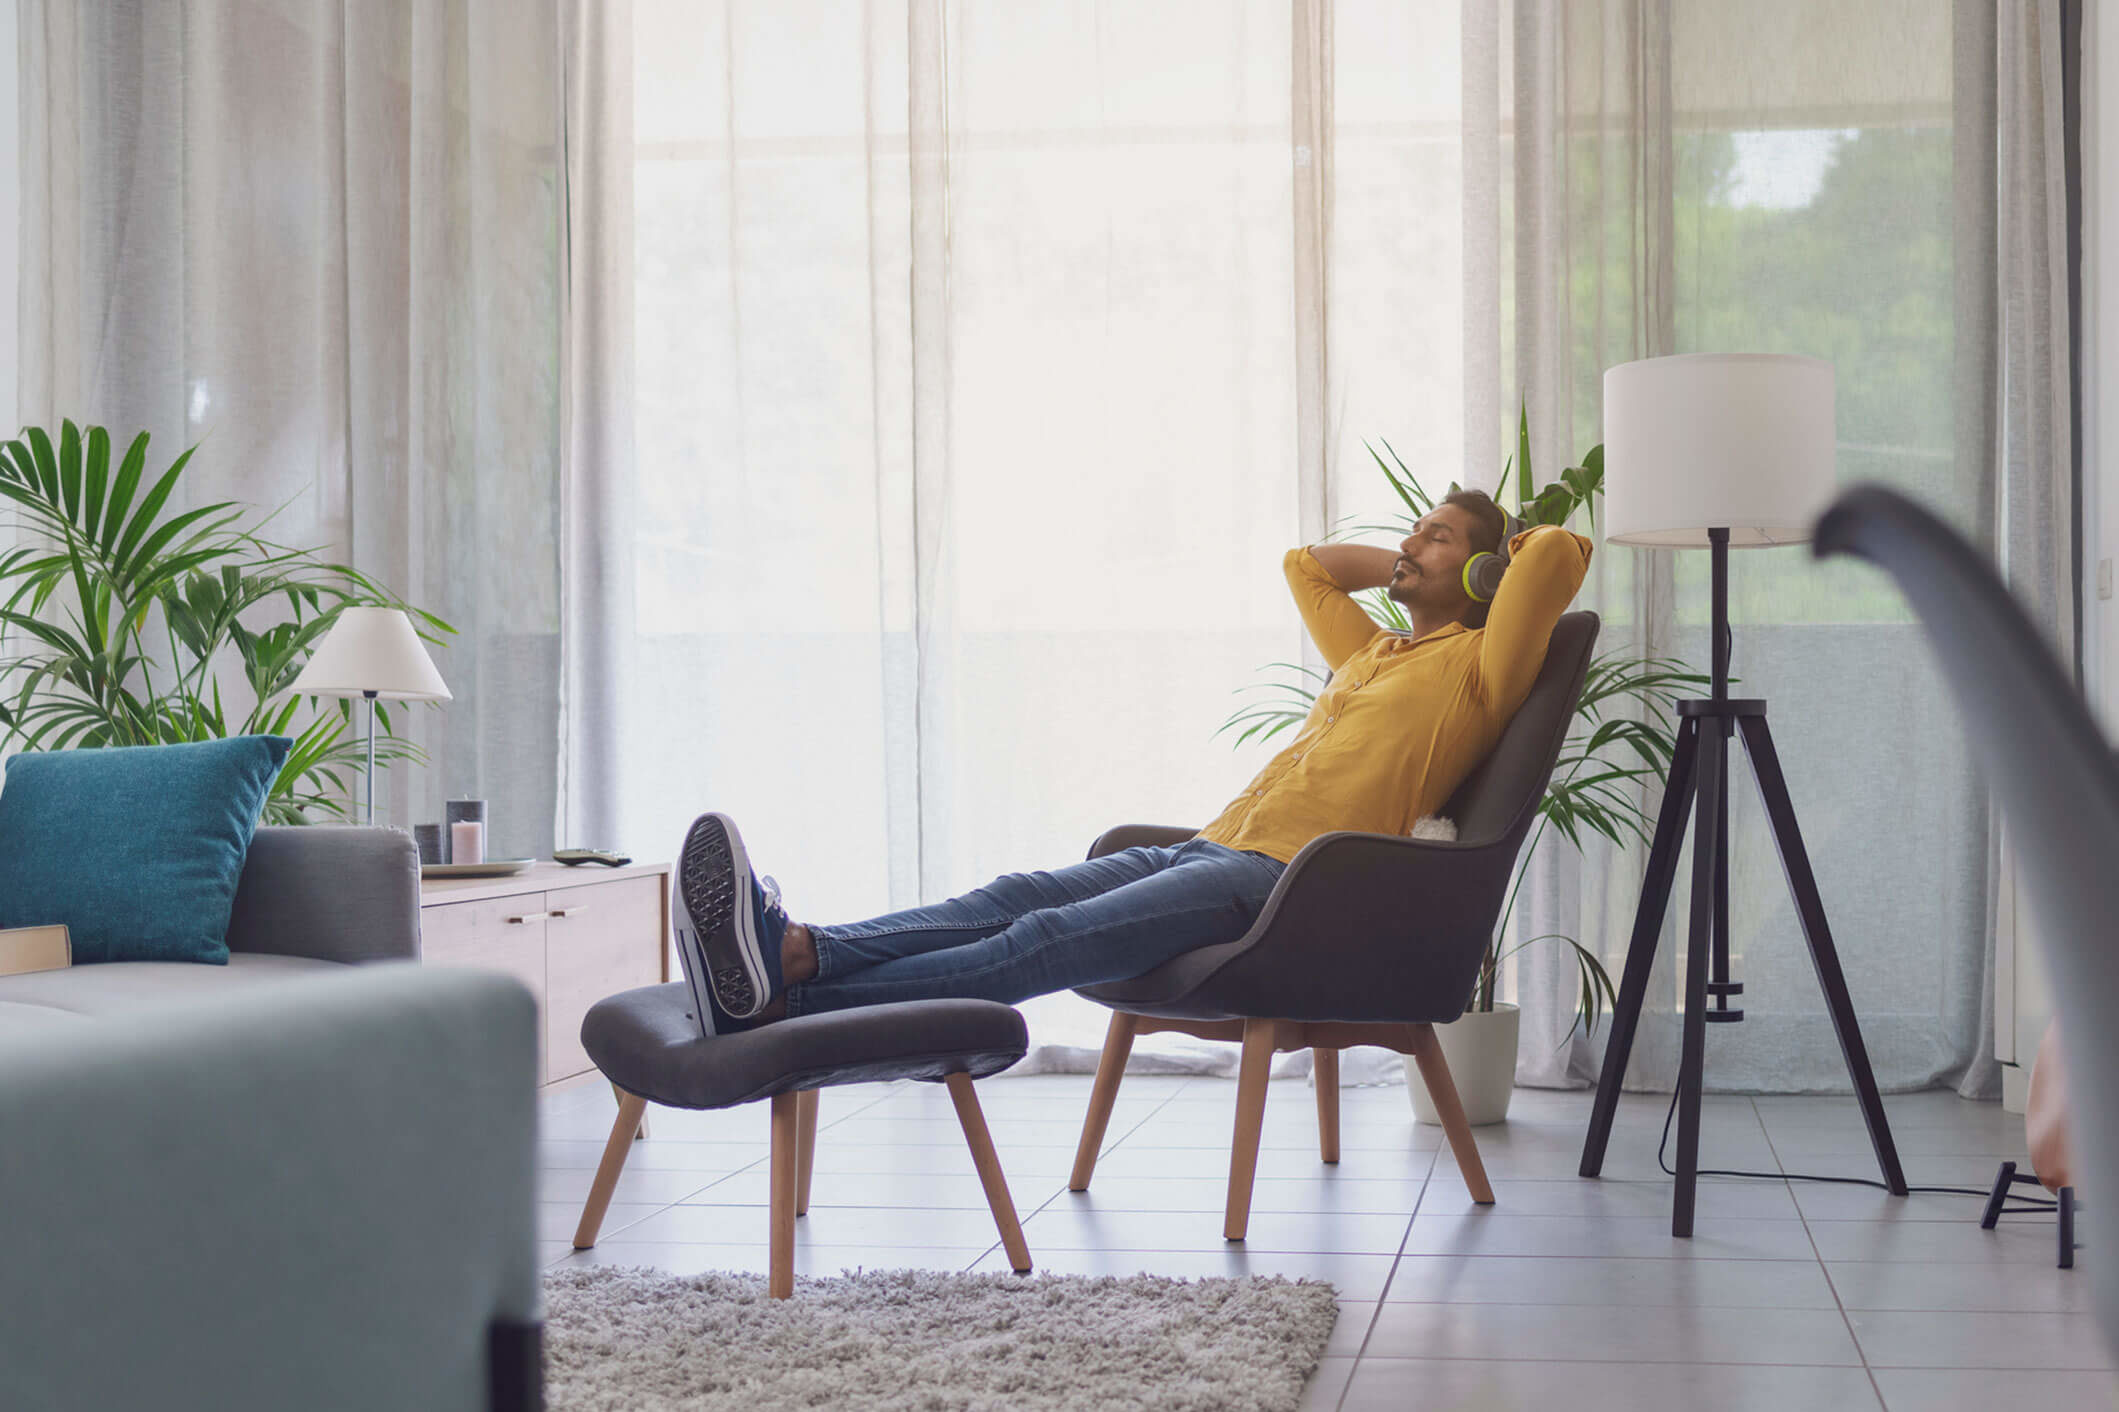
x=372, y=650
x=1735, y=441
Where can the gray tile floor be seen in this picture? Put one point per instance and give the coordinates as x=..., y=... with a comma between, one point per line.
x=1565, y=1293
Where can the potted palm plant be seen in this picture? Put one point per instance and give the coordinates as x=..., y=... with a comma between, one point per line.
x=1622, y=735
x=126, y=622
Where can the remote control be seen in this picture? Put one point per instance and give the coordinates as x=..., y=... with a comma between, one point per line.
x=575, y=857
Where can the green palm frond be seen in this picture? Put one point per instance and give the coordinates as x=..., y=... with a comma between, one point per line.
x=104, y=566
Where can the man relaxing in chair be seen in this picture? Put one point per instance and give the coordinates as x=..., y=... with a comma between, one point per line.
x=1403, y=722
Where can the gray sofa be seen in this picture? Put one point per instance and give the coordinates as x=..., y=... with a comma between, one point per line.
x=310, y=901
x=286, y=1182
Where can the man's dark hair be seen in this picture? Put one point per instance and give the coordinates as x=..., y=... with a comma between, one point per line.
x=1486, y=516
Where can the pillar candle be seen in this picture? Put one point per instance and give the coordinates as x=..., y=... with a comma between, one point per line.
x=467, y=842
x=432, y=843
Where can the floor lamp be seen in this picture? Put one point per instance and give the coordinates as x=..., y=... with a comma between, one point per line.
x=373, y=653
x=1719, y=451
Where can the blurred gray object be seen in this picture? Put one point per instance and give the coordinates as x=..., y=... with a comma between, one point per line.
x=2052, y=770
x=311, y=1194
x=283, y=1182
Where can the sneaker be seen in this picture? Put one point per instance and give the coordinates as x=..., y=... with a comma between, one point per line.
x=728, y=925
x=706, y=1010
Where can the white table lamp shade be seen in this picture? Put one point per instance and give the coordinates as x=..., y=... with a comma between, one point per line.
x=372, y=650
x=1735, y=441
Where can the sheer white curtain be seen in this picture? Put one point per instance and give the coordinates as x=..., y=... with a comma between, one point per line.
x=882, y=419
x=966, y=416
x=989, y=354
x=319, y=238
x=1693, y=177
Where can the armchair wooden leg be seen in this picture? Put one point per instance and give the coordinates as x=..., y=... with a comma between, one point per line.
x=1442, y=1089
x=1326, y=1070
x=983, y=1157
x=780, y=1278
x=615, y=1151
x=1255, y=1068
x=805, y=1147
x=1118, y=1044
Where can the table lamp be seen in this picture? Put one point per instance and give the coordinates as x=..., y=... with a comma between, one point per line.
x=1719, y=451
x=376, y=654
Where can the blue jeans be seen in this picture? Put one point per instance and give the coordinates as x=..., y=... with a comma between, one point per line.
x=1029, y=934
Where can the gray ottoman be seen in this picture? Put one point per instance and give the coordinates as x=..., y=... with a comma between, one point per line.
x=648, y=1045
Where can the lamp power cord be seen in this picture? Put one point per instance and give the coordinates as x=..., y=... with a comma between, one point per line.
x=2022, y=1204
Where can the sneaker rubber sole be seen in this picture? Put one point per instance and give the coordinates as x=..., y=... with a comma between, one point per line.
x=714, y=892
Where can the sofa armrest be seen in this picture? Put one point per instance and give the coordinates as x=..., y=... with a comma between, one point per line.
x=328, y=892
x=317, y=1193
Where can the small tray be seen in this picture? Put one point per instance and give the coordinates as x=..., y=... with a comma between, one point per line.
x=491, y=868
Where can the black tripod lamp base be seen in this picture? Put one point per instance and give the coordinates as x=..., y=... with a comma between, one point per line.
x=1697, y=793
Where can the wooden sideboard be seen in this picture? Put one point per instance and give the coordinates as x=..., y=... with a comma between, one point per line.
x=572, y=935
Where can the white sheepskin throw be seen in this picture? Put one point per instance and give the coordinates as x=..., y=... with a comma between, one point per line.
x=1436, y=829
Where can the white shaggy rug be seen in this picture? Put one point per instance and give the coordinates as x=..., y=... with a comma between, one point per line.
x=626, y=1340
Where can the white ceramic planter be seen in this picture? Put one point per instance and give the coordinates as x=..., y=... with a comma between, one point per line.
x=1481, y=1050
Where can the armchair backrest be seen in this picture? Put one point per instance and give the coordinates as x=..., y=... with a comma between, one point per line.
x=2058, y=784
x=1388, y=930
x=1500, y=796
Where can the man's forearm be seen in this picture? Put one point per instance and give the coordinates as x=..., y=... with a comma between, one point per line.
x=1356, y=566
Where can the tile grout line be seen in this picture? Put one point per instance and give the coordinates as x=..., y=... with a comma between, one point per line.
x=1138, y=1124
x=659, y=1209
x=1404, y=1236
x=996, y=1245
x=1024, y=1221
x=1139, y=1132
x=1434, y=1158
x=1844, y=1317
x=1648, y=1362
x=893, y=1091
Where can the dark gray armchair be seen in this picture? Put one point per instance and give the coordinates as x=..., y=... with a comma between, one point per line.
x=1366, y=939
x=2053, y=772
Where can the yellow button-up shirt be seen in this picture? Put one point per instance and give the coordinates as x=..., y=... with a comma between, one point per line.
x=1404, y=720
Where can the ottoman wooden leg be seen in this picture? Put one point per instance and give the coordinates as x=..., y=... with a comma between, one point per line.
x=619, y=1094
x=991, y=1177
x=806, y=1148
x=1118, y=1045
x=780, y=1282
x=615, y=1151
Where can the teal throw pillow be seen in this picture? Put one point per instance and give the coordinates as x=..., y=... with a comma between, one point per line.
x=136, y=849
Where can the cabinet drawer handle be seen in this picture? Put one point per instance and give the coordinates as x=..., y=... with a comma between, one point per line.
x=528, y=917
x=575, y=910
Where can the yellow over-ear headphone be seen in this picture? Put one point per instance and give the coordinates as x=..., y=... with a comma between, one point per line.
x=1483, y=571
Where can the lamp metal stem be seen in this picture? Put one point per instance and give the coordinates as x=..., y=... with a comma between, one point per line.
x=1718, y=540
x=1718, y=765
x=371, y=755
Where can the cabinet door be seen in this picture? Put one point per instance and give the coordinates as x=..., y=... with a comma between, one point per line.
x=600, y=939
x=499, y=934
